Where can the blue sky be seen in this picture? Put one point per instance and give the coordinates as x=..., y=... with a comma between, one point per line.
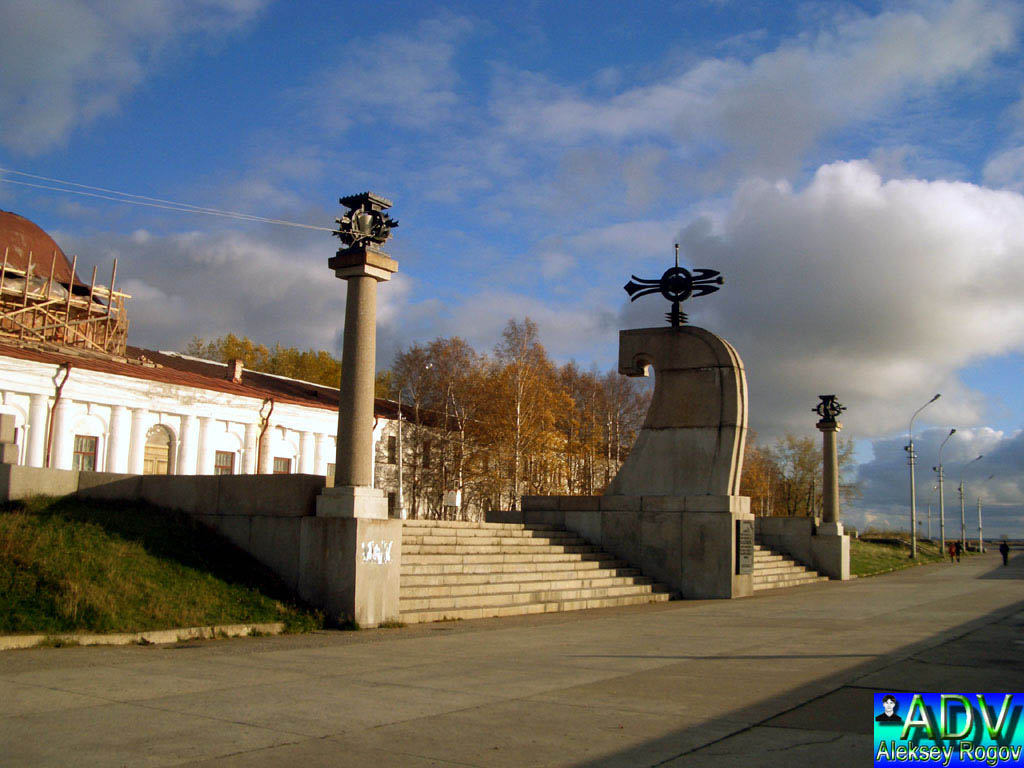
x=854, y=170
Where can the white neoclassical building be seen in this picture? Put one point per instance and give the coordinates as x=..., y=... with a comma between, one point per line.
x=83, y=399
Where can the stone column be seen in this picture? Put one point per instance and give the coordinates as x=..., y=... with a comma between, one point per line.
x=252, y=433
x=830, y=479
x=306, y=458
x=117, y=440
x=38, y=417
x=188, y=440
x=353, y=494
x=266, y=453
x=60, y=444
x=205, y=464
x=137, y=444
x=320, y=454
x=830, y=547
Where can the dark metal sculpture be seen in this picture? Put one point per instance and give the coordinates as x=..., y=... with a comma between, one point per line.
x=829, y=408
x=366, y=224
x=677, y=285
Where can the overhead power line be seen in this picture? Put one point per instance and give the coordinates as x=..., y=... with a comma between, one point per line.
x=130, y=198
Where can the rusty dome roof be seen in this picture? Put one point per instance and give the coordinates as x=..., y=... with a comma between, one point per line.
x=20, y=237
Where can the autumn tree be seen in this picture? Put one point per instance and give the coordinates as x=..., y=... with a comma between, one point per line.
x=785, y=478
x=317, y=366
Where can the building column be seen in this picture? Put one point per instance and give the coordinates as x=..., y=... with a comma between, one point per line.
x=320, y=454
x=252, y=433
x=61, y=446
x=38, y=418
x=117, y=440
x=206, y=424
x=266, y=459
x=306, y=458
x=137, y=442
x=188, y=446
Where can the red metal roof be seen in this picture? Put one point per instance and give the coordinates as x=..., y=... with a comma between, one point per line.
x=171, y=369
x=19, y=237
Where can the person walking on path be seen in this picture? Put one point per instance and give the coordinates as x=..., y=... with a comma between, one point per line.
x=1004, y=550
x=952, y=551
x=959, y=549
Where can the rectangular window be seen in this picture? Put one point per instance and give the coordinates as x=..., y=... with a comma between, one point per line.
x=426, y=453
x=282, y=466
x=392, y=449
x=224, y=463
x=85, y=453
x=392, y=501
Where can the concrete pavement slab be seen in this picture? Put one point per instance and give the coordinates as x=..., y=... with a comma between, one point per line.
x=773, y=680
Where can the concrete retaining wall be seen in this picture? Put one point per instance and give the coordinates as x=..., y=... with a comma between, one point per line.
x=801, y=539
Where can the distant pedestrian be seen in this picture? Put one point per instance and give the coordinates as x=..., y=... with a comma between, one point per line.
x=1004, y=550
x=959, y=549
x=952, y=551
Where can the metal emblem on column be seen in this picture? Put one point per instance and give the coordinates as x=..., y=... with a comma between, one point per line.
x=677, y=285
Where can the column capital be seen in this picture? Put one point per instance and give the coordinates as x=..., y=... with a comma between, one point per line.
x=829, y=425
x=362, y=262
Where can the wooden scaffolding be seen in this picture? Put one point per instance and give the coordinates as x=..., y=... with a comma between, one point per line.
x=39, y=309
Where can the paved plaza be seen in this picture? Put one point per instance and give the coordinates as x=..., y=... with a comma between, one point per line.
x=782, y=678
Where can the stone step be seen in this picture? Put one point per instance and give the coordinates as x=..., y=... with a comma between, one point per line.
x=494, y=549
x=463, y=526
x=482, y=568
x=468, y=579
x=524, y=598
x=425, y=536
x=501, y=557
x=449, y=589
x=482, y=612
x=764, y=578
x=760, y=587
x=782, y=566
x=773, y=570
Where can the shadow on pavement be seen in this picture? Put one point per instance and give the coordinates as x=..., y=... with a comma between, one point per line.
x=835, y=728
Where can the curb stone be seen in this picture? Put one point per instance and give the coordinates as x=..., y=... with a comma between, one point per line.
x=11, y=642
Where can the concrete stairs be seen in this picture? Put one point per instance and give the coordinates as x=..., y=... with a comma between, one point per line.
x=460, y=570
x=773, y=570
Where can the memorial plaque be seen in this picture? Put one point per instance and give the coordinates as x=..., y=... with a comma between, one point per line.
x=744, y=546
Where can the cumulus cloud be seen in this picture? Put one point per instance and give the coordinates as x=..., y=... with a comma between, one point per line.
x=996, y=480
x=211, y=283
x=65, y=63
x=878, y=291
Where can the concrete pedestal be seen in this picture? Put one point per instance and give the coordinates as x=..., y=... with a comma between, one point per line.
x=688, y=543
x=352, y=501
x=350, y=568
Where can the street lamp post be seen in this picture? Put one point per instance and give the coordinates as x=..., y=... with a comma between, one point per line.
x=911, y=456
x=963, y=523
x=981, y=540
x=942, y=496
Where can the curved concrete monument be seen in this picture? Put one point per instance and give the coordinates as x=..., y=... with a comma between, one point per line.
x=692, y=440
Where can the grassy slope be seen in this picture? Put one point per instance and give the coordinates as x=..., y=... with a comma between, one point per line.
x=68, y=565
x=868, y=557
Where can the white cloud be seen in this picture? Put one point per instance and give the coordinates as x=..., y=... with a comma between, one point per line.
x=211, y=283
x=765, y=114
x=1006, y=169
x=406, y=79
x=996, y=479
x=65, y=63
x=877, y=291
